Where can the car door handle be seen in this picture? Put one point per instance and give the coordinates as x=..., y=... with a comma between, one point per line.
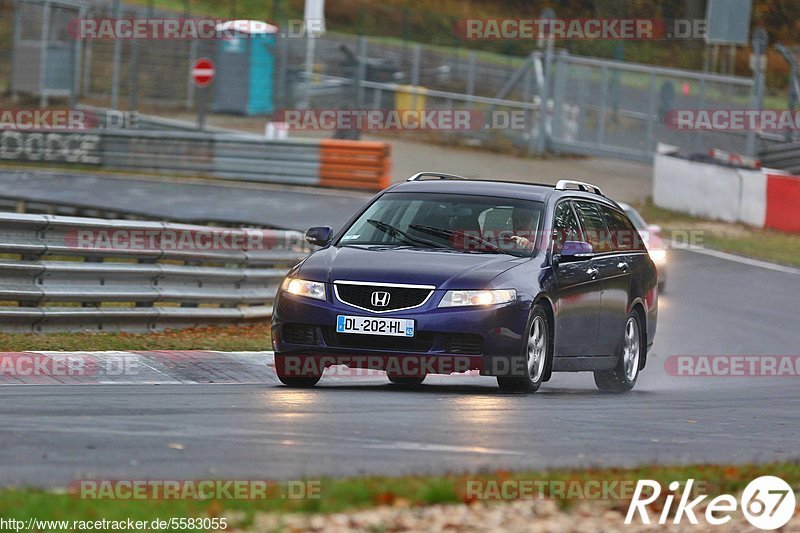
x=592, y=272
x=622, y=266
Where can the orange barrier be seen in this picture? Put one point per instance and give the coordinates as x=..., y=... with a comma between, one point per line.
x=355, y=164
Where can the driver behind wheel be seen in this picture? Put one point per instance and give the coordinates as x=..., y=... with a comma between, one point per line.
x=523, y=223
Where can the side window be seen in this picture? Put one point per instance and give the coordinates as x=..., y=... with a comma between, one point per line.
x=594, y=227
x=624, y=236
x=565, y=227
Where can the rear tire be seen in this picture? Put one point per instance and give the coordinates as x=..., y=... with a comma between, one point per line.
x=622, y=378
x=292, y=379
x=538, y=351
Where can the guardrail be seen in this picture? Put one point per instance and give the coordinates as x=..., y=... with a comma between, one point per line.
x=354, y=165
x=323, y=162
x=86, y=274
x=777, y=152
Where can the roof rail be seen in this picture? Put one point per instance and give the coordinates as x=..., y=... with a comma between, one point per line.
x=441, y=175
x=563, y=185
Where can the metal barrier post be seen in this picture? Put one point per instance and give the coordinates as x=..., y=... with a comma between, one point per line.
x=43, y=57
x=758, y=64
x=117, y=60
x=473, y=58
x=282, y=96
x=416, y=57
x=133, y=75
x=15, y=43
x=189, y=83
x=544, y=96
x=87, y=67
x=77, y=50
x=559, y=89
x=361, y=70
x=601, y=115
x=652, y=113
x=527, y=96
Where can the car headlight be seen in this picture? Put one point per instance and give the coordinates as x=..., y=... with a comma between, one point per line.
x=464, y=298
x=301, y=287
x=658, y=256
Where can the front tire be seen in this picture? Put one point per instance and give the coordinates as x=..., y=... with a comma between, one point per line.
x=538, y=351
x=292, y=378
x=622, y=378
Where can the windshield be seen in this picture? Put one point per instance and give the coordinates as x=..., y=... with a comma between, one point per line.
x=452, y=222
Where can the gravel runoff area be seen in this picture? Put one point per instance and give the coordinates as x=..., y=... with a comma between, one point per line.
x=540, y=515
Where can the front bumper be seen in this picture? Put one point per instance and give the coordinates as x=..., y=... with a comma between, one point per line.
x=446, y=339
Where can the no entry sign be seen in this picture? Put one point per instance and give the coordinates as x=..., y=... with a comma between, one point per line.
x=203, y=72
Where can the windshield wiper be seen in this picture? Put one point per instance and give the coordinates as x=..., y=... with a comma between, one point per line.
x=394, y=232
x=451, y=233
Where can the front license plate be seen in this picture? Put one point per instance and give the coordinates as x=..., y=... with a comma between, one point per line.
x=396, y=327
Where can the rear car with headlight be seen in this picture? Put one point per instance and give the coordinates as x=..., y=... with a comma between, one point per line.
x=651, y=235
x=444, y=274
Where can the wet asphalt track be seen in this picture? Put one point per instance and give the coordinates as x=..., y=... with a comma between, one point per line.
x=53, y=434
x=188, y=200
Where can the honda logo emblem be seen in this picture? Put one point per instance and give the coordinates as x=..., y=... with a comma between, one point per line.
x=380, y=298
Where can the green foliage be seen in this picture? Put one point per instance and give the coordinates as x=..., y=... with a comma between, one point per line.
x=236, y=339
x=359, y=493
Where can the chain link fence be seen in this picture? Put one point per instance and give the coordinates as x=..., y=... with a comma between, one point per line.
x=576, y=105
x=624, y=109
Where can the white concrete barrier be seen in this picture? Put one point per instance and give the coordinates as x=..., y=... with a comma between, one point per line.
x=710, y=191
x=753, y=209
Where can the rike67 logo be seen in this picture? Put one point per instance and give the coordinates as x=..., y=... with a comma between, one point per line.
x=768, y=503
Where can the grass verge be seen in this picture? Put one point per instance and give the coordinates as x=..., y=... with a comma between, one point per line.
x=236, y=339
x=740, y=239
x=336, y=495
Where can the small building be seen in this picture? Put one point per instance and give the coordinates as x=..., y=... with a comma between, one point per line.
x=245, y=64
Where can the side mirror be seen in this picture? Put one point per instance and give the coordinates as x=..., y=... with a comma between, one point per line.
x=319, y=236
x=575, y=250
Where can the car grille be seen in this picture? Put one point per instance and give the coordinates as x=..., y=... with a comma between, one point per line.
x=399, y=297
x=466, y=344
x=422, y=342
x=299, y=334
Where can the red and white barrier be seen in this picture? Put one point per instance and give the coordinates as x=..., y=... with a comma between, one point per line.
x=783, y=203
x=763, y=198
